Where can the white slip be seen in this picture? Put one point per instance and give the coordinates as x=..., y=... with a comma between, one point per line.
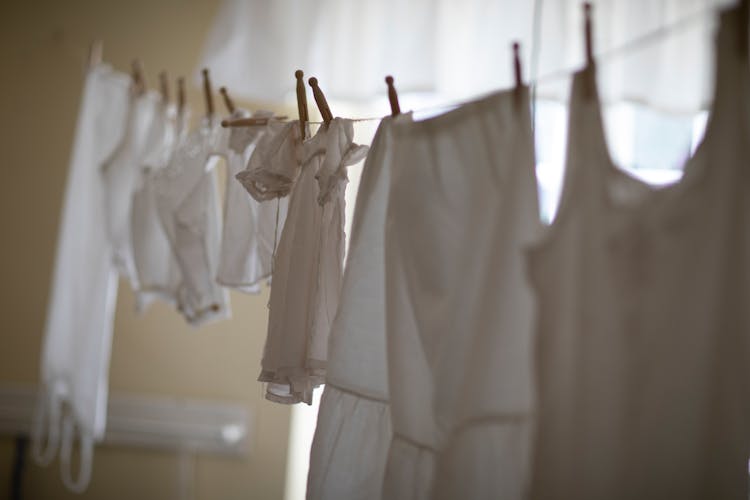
x=78, y=331
x=644, y=334
x=462, y=207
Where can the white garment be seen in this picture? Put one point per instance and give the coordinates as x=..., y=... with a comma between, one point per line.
x=246, y=250
x=462, y=208
x=188, y=206
x=308, y=266
x=273, y=169
x=644, y=345
x=78, y=331
x=156, y=267
x=121, y=173
x=353, y=431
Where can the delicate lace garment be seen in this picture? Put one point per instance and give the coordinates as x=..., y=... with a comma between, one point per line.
x=188, y=204
x=274, y=167
x=308, y=269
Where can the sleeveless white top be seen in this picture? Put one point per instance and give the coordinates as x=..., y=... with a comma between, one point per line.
x=462, y=207
x=644, y=345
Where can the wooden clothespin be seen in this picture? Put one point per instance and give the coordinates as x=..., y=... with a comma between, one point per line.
x=208, y=94
x=320, y=100
x=517, y=65
x=301, y=102
x=181, y=96
x=587, y=33
x=227, y=100
x=139, y=80
x=95, y=53
x=517, y=73
x=164, y=87
x=392, y=96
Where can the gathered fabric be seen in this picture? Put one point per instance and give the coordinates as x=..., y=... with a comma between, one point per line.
x=461, y=209
x=350, y=446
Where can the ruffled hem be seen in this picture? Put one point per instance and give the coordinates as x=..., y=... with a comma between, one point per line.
x=350, y=447
x=293, y=385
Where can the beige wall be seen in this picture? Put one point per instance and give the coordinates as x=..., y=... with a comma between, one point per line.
x=43, y=46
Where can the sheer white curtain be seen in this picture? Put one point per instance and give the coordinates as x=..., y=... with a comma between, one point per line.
x=458, y=49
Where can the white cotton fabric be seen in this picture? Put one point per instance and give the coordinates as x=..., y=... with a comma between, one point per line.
x=353, y=432
x=273, y=169
x=644, y=351
x=249, y=225
x=156, y=268
x=308, y=266
x=188, y=205
x=78, y=331
x=462, y=208
x=120, y=174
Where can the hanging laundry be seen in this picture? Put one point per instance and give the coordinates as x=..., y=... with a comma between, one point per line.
x=246, y=251
x=158, y=273
x=643, y=327
x=308, y=263
x=78, y=331
x=188, y=205
x=120, y=174
x=462, y=207
x=274, y=167
x=353, y=432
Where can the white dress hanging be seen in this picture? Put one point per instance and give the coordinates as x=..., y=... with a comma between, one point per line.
x=308, y=266
x=462, y=207
x=644, y=329
x=353, y=431
x=78, y=331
